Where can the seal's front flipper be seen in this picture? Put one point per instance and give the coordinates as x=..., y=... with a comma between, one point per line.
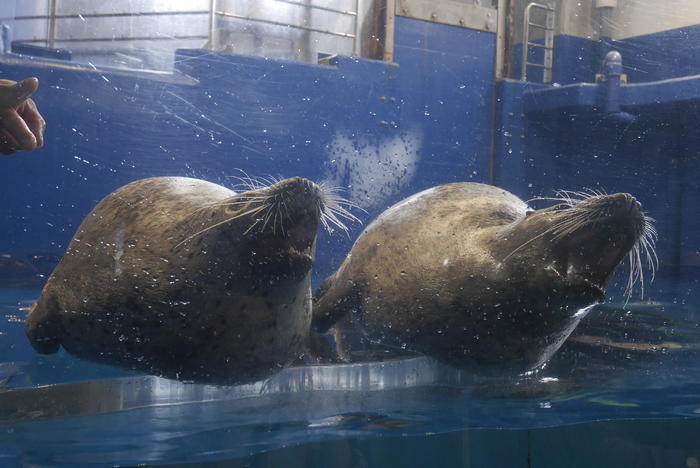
x=323, y=348
x=43, y=325
x=333, y=300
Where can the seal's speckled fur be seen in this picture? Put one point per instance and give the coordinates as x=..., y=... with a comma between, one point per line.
x=470, y=275
x=184, y=278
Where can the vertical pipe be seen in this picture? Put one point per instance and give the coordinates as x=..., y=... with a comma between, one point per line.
x=52, y=24
x=6, y=40
x=389, y=13
x=498, y=74
x=526, y=39
x=212, y=25
x=358, y=24
x=500, y=40
x=306, y=37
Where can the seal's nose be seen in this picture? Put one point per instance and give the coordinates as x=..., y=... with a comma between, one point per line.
x=621, y=204
x=632, y=202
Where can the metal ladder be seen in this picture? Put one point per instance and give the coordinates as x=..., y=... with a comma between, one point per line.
x=548, y=45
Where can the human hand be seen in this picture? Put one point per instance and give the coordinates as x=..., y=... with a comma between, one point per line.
x=21, y=124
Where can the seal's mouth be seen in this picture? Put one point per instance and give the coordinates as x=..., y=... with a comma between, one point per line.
x=296, y=247
x=587, y=256
x=286, y=228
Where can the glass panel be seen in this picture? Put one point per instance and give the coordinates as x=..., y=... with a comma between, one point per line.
x=350, y=233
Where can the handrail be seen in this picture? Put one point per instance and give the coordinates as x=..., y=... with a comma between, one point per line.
x=382, y=12
x=548, y=45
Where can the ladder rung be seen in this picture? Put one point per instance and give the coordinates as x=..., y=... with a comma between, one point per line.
x=535, y=44
x=530, y=64
x=541, y=26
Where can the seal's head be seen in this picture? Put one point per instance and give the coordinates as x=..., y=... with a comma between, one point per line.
x=578, y=243
x=273, y=225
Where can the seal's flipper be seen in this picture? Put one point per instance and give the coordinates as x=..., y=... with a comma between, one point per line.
x=43, y=325
x=333, y=300
x=322, y=348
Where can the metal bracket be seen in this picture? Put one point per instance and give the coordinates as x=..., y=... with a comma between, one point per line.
x=460, y=14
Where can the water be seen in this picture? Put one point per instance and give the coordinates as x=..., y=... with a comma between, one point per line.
x=637, y=361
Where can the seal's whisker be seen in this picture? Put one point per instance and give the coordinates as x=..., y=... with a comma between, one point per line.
x=331, y=195
x=266, y=217
x=555, y=199
x=525, y=243
x=571, y=225
x=341, y=212
x=279, y=212
x=250, y=228
x=560, y=229
x=227, y=220
x=286, y=209
x=231, y=203
x=334, y=208
x=644, y=246
x=270, y=180
x=648, y=244
x=640, y=270
x=248, y=182
x=329, y=217
x=589, y=192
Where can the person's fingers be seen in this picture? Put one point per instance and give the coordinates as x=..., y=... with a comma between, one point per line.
x=12, y=95
x=36, y=123
x=8, y=144
x=17, y=128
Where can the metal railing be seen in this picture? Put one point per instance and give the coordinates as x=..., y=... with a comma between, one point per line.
x=547, y=46
x=379, y=10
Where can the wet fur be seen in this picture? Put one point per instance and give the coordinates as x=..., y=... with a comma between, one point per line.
x=184, y=278
x=471, y=275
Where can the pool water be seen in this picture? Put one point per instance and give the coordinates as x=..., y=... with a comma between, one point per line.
x=629, y=368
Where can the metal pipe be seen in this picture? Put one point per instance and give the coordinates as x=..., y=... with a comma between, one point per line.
x=498, y=74
x=279, y=23
x=6, y=41
x=356, y=50
x=526, y=40
x=499, y=60
x=319, y=7
x=389, y=17
x=115, y=15
x=52, y=24
x=126, y=38
x=212, y=24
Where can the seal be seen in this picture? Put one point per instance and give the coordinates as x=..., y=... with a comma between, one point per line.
x=186, y=279
x=471, y=275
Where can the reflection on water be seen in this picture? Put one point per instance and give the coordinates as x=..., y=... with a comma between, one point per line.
x=634, y=361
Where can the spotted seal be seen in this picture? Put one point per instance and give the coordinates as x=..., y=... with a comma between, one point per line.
x=186, y=279
x=471, y=275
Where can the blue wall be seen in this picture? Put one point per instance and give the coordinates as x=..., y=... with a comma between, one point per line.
x=383, y=130
x=558, y=138
x=667, y=54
